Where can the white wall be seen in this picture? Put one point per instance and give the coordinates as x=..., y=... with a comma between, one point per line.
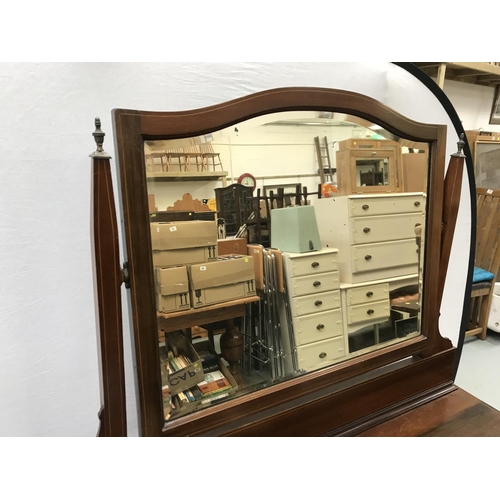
x=48, y=359
x=274, y=154
x=472, y=103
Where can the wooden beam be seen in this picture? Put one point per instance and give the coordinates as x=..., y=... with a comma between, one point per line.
x=477, y=66
x=441, y=75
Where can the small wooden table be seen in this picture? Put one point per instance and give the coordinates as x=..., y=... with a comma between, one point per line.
x=209, y=317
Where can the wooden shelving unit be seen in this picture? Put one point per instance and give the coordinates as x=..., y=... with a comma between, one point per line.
x=187, y=176
x=477, y=73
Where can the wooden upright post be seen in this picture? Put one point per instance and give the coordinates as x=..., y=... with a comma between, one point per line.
x=451, y=204
x=107, y=283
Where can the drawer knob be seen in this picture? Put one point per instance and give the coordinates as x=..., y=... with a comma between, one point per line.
x=369, y=294
x=370, y=311
x=317, y=283
x=417, y=203
x=365, y=207
x=315, y=264
x=368, y=257
x=318, y=303
x=322, y=355
x=366, y=230
x=320, y=327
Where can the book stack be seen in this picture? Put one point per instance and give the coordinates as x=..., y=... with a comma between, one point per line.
x=215, y=386
x=209, y=361
x=177, y=361
x=215, y=383
x=190, y=395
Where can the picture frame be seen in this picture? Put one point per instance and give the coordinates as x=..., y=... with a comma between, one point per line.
x=495, y=108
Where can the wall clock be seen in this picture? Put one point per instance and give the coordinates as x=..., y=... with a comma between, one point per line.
x=247, y=180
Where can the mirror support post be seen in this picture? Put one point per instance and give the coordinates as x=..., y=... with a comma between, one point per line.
x=451, y=204
x=108, y=279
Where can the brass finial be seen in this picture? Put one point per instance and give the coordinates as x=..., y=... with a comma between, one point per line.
x=460, y=146
x=99, y=140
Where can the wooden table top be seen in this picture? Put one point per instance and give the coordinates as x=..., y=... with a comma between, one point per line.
x=204, y=315
x=456, y=414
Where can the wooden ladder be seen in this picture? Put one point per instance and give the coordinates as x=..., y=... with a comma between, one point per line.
x=324, y=164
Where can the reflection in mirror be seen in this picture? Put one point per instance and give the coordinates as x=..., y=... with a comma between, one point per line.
x=282, y=245
x=372, y=171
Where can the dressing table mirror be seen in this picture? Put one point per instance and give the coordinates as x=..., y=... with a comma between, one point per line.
x=369, y=347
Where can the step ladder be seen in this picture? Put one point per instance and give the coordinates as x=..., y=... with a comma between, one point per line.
x=324, y=164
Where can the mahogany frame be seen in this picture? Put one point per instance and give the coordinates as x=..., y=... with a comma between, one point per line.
x=336, y=400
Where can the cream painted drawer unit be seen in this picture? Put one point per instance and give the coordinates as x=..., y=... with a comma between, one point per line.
x=320, y=354
x=319, y=326
x=375, y=234
x=385, y=204
x=316, y=302
x=371, y=312
x=316, y=334
x=314, y=283
x=368, y=293
x=368, y=304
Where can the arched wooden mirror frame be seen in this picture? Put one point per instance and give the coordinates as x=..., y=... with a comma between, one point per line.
x=332, y=401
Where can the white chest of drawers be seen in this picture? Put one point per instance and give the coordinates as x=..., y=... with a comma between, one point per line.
x=375, y=234
x=312, y=283
x=368, y=304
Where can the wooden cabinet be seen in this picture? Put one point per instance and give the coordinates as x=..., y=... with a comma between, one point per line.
x=234, y=205
x=375, y=234
x=415, y=167
x=315, y=336
x=369, y=166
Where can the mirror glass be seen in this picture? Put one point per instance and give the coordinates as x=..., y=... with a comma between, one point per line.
x=372, y=171
x=282, y=245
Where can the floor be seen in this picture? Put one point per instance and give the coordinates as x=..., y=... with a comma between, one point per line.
x=479, y=368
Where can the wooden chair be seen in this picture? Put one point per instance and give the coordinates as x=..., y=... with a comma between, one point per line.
x=176, y=156
x=487, y=258
x=210, y=157
x=161, y=156
x=193, y=153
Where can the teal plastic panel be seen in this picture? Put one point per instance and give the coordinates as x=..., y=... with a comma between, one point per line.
x=294, y=229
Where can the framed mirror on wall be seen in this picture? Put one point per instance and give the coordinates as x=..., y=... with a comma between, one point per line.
x=495, y=108
x=297, y=371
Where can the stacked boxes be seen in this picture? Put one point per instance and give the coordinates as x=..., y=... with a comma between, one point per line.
x=182, y=243
x=185, y=258
x=172, y=289
x=232, y=277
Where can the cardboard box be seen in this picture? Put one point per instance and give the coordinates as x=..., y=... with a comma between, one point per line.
x=187, y=377
x=230, y=246
x=184, y=256
x=181, y=243
x=172, y=289
x=152, y=203
x=226, y=279
x=185, y=234
x=185, y=408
